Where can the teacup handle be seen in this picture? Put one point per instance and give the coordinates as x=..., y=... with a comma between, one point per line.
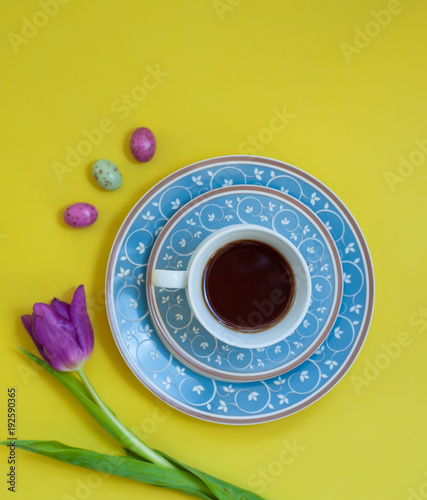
x=164, y=278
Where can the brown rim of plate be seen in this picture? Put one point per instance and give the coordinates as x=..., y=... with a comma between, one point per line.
x=365, y=321
x=183, y=355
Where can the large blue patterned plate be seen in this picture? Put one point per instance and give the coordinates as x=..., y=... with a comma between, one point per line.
x=170, y=310
x=202, y=396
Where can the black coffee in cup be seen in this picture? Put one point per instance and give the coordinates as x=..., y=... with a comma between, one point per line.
x=248, y=285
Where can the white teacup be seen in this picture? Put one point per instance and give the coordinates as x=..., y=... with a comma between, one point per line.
x=192, y=280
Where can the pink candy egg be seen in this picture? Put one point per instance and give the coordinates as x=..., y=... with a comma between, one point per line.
x=80, y=215
x=143, y=144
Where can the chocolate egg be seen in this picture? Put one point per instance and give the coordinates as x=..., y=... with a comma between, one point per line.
x=80, y=215
x=107, y=175
x=143, y=144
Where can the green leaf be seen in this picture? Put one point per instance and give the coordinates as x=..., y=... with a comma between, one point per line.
x=207, y=486
x=221, y=489
x=79, y=391
x=66, y=377
x=123, y=466
x=103, y=415
x=131, y=454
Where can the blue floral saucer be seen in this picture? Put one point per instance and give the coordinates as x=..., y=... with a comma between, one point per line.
x=266, y=207
x=200, y=395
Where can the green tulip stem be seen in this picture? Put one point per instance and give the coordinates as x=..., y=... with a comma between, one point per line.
x=129, y=439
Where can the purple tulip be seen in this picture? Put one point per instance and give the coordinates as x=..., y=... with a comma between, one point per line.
x=62, y=332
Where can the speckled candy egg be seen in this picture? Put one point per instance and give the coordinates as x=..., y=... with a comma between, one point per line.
x=143, y=144
x=107, y=175
x=80, y=215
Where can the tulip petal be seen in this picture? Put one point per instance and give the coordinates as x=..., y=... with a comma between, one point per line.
x=26, y=321
x=62, y=308
x=81, y=321
x=56, y=339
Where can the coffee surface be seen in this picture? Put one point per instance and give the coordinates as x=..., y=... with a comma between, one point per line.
x=248, y=285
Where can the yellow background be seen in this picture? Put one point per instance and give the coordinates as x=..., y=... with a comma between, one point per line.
x=229, y=64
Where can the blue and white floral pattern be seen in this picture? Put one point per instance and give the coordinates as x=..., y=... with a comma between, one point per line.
x=273, y=210
x=164, y=374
